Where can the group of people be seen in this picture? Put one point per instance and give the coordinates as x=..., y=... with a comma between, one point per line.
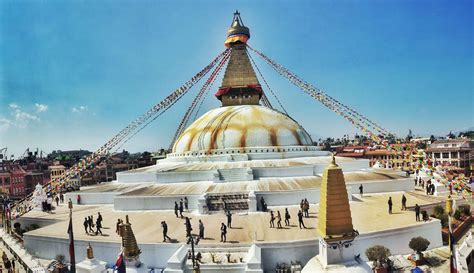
x=278, y=218
x=47, y=205
x=89, y=224
x=390, y=203
x=304, y=205
x=430, y=187
x=183, y=205
x=188, y=228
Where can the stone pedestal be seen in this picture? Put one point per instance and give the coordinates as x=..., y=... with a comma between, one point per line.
x=202, y=205
x=336, y=251
x=91, y=266
x=252, y=202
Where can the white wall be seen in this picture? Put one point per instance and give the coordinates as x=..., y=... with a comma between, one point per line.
x=152, y=202
x=273, y=253
x=92, y=198
x=397, y=239
x=153, y=255
x=304, y=170
x=384, y=186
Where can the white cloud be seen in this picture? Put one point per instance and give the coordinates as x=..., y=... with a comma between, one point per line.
x=41, y=107
x=80, y=109
x=4, y=124
x=19, y=118
x=22, y=118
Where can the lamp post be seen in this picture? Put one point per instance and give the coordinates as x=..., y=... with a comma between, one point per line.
x=71, y=240
x=194, y=240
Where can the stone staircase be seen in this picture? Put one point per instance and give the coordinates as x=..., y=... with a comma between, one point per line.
x=235, y=174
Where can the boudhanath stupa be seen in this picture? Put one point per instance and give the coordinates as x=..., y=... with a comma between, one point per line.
x=242, y=156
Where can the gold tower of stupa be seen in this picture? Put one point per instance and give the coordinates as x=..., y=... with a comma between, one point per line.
x=334, y=219
x=240, y=85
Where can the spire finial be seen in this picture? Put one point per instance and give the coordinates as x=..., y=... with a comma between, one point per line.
x=333, y=161
x=238, y=32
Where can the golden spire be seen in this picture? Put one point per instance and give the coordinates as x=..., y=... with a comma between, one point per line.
x=129, y=243
x=240, y=84
x=90, y=252
x=334, y=219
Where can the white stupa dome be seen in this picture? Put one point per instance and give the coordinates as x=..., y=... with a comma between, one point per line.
x=242, y=126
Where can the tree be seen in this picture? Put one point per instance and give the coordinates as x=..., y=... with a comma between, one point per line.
x=419, y=244
x=438, y=211
x=377, y=253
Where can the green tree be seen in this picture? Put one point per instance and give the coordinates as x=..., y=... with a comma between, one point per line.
x=377, y=253
x=419, y=244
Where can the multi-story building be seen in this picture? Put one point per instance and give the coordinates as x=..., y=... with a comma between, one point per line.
x=452, y=152
x=56, y=171
x=17, y=185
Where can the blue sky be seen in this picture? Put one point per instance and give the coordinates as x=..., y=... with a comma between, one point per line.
x=74, y=73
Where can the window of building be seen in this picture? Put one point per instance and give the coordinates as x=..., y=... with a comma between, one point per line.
x=445, y=155
x=454, y=155
x=436, y=155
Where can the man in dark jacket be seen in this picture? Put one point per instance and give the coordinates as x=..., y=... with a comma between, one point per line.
x=164, y=226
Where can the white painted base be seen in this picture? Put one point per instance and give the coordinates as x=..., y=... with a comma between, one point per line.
x=91, y=266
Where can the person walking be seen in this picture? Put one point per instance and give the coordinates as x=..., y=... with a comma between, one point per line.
x=278, y=219
x=361, y=190
x=164, y=227
x=417, y=212
x=404, y=202
x=287, y=217
x=61, y=197
x=98, y=225
x=201, y=229
x=300, y=219
x=86, y=224
x=99, y=218
x=306, y=208
x=223, y=233
x=186, y=203
x=390, y=204
x=188, y=227
x=78, y=199
x=91, y=224
x=57, y=200
x=176, y=209
x=229, y=219
x=181, y=208
x=263, y=204
x=272, y=219
x=117, y=226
